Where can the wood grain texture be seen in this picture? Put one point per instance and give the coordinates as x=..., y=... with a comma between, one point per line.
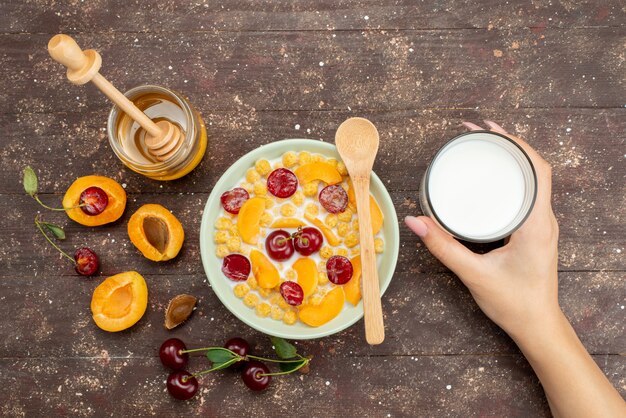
x=583, y=243
x=258, y=72
x=584, y=146
x=380, y=70
x=250, y=15
x=395, y=386
x=427, y=314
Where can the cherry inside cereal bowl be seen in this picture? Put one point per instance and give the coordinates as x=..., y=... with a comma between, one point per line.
x=279, y=240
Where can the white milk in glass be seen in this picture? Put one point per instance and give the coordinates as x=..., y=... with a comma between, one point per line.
x=479, y=187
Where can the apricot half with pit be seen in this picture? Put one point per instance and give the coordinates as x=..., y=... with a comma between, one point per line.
x=325, y=172
x=119, y=301
x=328, y=308
x=113, y=207
x=156, y=232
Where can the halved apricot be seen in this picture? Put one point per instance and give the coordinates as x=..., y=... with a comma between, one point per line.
x=375, y=212
x=328, y=308
x=114, y=209
x=328, y=233
x=249, y=219
x=307, y=275
x=352, y=289
x=287, y=223
x=264, y=271
x=119, y=301
x=318, y=170
x=156, y=232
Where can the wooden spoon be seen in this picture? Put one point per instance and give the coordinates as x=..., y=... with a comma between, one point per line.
x=357, y=142
x=162, y=138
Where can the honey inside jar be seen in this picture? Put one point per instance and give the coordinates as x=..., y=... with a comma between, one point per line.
x=127, y=137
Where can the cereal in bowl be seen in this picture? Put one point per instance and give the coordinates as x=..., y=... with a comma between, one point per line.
x=288, y=238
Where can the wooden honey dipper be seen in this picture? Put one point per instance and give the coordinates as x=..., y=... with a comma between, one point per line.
x=162, y=138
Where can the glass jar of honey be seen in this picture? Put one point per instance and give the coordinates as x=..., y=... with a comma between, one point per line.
x=127, y=137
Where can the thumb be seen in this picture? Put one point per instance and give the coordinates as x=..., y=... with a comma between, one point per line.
x=450, y=252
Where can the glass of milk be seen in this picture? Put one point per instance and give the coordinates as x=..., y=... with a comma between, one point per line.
x=480, y=187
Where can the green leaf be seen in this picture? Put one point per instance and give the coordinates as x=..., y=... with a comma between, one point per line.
x=292, y=367
x=57, y=231
x=284, y=350
x=30, y=181
x=219, y=355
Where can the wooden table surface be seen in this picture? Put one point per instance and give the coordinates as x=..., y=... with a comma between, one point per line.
x=262, y=71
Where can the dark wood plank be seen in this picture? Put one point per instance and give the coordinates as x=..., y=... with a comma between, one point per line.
x=362, y=70
x=377, y=386
x=552, y=72
x=245, y=15
x=586, y=160
x=50, y=316
x=600, y=247
x=584, y=146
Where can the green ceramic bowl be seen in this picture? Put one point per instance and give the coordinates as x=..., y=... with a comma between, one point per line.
x=222, y=286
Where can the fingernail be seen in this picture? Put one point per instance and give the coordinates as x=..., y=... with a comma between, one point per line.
x=416, y=225
x=494, y=126
x=471, y=126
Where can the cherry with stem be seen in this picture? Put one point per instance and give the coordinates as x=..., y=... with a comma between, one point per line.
x=235, y=358
x=39, y=223
x=85, y=260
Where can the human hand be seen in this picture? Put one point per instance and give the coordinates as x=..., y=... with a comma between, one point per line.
x=516, y=285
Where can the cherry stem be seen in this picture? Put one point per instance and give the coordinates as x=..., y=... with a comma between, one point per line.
x=207, y=349
x=304, y=363
x=219, y=367
x=38, y=223
x=298, y=233
x=237, y=358
x=56, y=209
x=275, y=360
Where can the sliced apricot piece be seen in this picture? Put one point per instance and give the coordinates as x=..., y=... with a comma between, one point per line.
x=328, y=308
x=115, y=206
x=351, y=195
x=264, y=271
x=375, y=212
x=307, y=275
x=249, y=219
x=287, y=223
x=119, y=301
x=318, y=171
x=377, y=216
x=156, y=232
x=352, y=289
x=328, y=233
